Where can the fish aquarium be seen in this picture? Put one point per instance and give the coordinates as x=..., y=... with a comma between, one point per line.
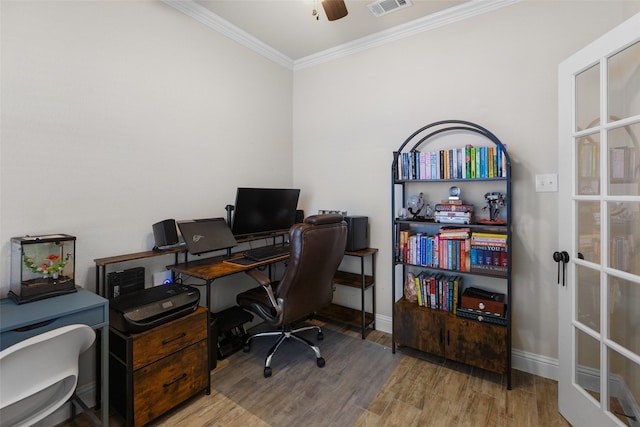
x=42, y=267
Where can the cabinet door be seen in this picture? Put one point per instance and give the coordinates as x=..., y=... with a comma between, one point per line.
x=475, y=343
x=419, y=328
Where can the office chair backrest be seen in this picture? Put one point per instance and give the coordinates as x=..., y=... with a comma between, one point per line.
x=38, y=375
x=316, y=249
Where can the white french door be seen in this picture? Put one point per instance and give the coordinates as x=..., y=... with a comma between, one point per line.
x=599, y=238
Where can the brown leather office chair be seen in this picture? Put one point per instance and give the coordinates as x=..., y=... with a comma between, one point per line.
x=316, y=249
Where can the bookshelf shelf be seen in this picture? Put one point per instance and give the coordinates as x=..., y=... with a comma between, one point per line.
x=433, y=316
x=359, y=318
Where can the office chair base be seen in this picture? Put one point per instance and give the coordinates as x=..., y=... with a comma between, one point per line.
x=284, y=335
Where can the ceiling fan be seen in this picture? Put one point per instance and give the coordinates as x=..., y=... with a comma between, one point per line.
x=334, y=9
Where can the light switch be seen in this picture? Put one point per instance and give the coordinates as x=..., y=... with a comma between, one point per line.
x=546, y=182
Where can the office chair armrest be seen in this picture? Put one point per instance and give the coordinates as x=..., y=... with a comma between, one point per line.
x=259, y=277
x=264, y=281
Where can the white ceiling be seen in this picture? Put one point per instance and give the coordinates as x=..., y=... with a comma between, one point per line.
x=287, y=31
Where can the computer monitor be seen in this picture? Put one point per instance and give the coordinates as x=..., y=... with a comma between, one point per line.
x=263, y=211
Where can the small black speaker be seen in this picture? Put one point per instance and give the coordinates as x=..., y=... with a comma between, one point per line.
x=358, y=232
x=299, y=216
x=165, y=233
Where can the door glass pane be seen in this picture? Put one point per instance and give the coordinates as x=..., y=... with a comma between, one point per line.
x=624, y=161
x=588, y=165
x=624, y=83
x=623, y=312
x=588, y=98
x=624, y=231
x=624, y=388
x=588, y=297
x=588, y=364
x=588, y=225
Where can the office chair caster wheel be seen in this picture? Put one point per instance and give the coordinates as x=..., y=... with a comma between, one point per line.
x=320, y=362
x=320, y=336
x=267, y=372
x=246, y=348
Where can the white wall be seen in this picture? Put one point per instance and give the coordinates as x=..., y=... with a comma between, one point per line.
x=116, y=115
x=498, y=70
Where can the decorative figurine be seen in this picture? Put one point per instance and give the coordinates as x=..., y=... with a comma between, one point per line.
x=428, y=212
x=454, y=194
x=415, y=205
x=495, y=201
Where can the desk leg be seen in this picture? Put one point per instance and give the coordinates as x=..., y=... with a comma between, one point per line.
x=373, y=290
x=105, y=376
x=362, y=291
x=209, y=337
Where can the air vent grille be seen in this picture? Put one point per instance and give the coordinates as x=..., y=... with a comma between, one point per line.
x=382, y=7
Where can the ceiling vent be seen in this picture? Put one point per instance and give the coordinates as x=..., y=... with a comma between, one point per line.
x=382, y=7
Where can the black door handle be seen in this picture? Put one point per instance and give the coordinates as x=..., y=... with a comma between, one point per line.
x=561, y=257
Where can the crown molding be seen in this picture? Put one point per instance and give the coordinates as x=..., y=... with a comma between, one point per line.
x=430, y=22
x=427, y=23
x=226, y=28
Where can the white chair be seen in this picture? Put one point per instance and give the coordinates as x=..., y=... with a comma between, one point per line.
x=38, y=375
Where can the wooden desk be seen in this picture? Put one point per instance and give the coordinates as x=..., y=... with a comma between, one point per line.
x=19, y=322
x=210, y=269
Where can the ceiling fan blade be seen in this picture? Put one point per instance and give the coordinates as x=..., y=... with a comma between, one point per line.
x=334, y=9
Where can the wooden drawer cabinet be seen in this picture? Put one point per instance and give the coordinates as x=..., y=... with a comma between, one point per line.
x=479, y=344
x=153, y=371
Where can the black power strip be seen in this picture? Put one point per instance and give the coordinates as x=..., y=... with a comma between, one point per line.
x=125, y=281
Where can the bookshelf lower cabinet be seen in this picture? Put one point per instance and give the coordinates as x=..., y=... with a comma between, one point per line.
x=153, y=371
x=418, y=328
x=478, y=344
x=474, y=343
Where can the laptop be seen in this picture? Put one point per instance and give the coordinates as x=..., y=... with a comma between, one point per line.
x=206, y=235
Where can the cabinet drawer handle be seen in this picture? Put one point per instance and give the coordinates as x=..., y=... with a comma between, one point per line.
x=181, y=377
x=35, y=326
x=182, y=335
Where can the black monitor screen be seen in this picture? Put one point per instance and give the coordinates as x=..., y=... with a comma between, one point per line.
x=264, y=210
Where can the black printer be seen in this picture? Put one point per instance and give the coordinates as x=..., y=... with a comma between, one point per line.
x=141, y=310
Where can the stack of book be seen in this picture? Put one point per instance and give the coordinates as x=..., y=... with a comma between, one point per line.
x=454, y=247
x=459, y=163
x=418, y=248
x=438, y=291
x=454, y=213
x=448, y=249
x=488, y=253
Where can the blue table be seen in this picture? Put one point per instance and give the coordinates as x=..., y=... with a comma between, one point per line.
x=19, y=322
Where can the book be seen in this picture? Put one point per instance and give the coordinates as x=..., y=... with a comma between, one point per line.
x=454, y=232
x=489, y=269
x=453, y=207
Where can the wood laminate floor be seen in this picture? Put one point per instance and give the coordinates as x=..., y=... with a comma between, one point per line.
x=420, y=391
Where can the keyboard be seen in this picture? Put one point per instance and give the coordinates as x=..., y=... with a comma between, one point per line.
x=265, y=253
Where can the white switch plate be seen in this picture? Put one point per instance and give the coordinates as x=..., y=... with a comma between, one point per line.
x=162, y=278
x=546, y=182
